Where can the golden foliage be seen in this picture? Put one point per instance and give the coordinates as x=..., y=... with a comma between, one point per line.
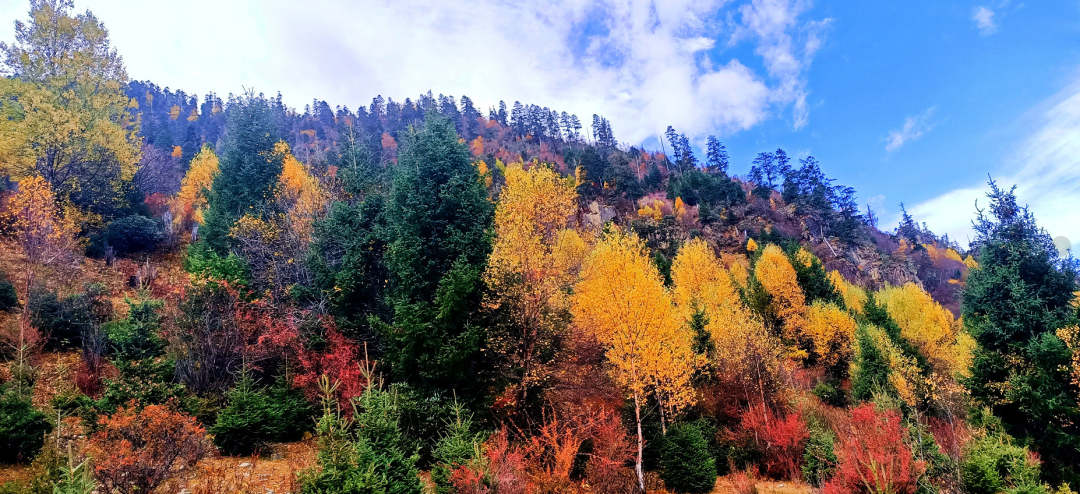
x=299, y=192
x=177, y=152
x=830, y=331
x=853, y=295
x=652, y=209
x=1071, y=336
x=930, y=327
x=751, y=245
x=680, y=208
x=777, y=276
x=805, y=257
x=32, y=217
x=622, y=302
x=190, y=202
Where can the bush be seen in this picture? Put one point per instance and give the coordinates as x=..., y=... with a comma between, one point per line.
x=65, y=321
x=686, y=464
x=136, y=336
x=206, y=264
x=8, y=298
x=255, y=416
x=779, y=438
x=828, y=392
x=22, y=428
x=819, y=458
x=135, y=451
x=873, y=453
x=143, y=382
x=458, y=446
x=132, y=234
x=992, y=464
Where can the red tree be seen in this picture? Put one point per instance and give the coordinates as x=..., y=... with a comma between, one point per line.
x=779, y=438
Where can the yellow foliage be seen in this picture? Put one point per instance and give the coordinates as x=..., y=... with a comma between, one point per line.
x=680, y=208
x=751, y=245
x=777, y=276
x=830, y=331
x=300, y=192
x=904, y=375
x=951, y=253
x=854, y=296
x=970, y=262
x=485, y=173
x=700, y=281
x=805, y=257
x=190, y=202
x=622, y=302
x=174, y=112
x=654, y=210
x=1071, y=336
x=930, y=327
x=34, y=221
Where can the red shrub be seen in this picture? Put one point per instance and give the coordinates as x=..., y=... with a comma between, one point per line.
x=136, y=451
x=342, y=362
x=503, y=470
x=872, y=456
x=951, y=435
x=779, y=438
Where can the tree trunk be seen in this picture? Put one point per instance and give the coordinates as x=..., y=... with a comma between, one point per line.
x=640, y=445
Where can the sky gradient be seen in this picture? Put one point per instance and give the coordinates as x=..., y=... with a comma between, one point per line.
x=914, y=102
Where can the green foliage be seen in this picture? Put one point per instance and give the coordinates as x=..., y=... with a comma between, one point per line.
x=146, y=382
x=686, y=464
x=128, y=235
x=64, y=321
x=992, y=464
x=76, y=479
x=438, y=225
x=347, y=262
x=1013, y=302
x=715, y=190
x=248, y=168
x=254, y=416
x=457, y=446
x=871, y=369
x=814, y=282
x=9, y=299
x=136, y=336
x=207, y=264
x=830, y=392
x=368, y=454
x=819, y=458
x=22, y=428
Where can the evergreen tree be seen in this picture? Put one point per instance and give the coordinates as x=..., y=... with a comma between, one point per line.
x=248, y=168
x=717, y=157
x=1013, y=302
x=686, y=465
x=438, y=219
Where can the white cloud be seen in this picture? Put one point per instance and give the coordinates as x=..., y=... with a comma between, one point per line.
x=983, y=18
x=642, y=63
x=914, y=127
x=1045, y=169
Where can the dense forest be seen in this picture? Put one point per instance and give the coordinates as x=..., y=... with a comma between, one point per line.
x=232, y=295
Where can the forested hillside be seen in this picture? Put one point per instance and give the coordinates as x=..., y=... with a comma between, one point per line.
x=232, y=295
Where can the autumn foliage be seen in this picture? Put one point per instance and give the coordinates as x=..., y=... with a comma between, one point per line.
x=872, y=457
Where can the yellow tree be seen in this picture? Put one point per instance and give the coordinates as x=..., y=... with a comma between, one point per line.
x=190, y=202
x=746, y=355
x=622, y=302
x=299, y=193
x=930, y=327
x=65, y=114
x=829, y=332
x=534, y=261
x=853, y=295
x=777, y=276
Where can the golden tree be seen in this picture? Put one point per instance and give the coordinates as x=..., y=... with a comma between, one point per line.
x=299, y=193
x=189, y=205
x=853, y=295
x=829, y=332
x=930, y=327
x=622, y=302
x=777, y=276
x=534, y=261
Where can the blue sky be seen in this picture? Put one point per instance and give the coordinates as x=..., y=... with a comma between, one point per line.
x=907, y=101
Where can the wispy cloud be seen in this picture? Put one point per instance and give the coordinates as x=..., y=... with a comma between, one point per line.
x=1045, y=169
x=712, y=66
x=983, y=17
x=914, y=127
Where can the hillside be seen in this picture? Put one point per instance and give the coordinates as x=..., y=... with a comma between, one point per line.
x=418, y=296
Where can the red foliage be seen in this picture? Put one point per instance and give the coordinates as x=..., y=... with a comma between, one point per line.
x=157, y=203
x=951, y=435
x=872, y=456
x=137, y=451
x=88, y=377
x=780, y=439
x=342, y=362
x=503, y=470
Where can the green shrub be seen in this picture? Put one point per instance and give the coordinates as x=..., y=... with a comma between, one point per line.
x=255, y=416
x=8, y=298
x=458, y=445
x=993, y=464
x=828, y=392
x=64, y=321
x=819, y=458
x=203, y=262
x=686, y=464
x=136, y=336
x=22, y=428
x=132, y=234
x=146, y=382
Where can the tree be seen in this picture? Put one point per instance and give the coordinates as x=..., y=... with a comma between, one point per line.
x=829, y=333
x=533, y=264
x=716, y=154
x=189, y=205
x=22, y=427
x=780, y=281
x=1015, y=299
x=621, y=301
x=438, y=215
x=249, y=168
x=686, y=464
x=66, y=113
